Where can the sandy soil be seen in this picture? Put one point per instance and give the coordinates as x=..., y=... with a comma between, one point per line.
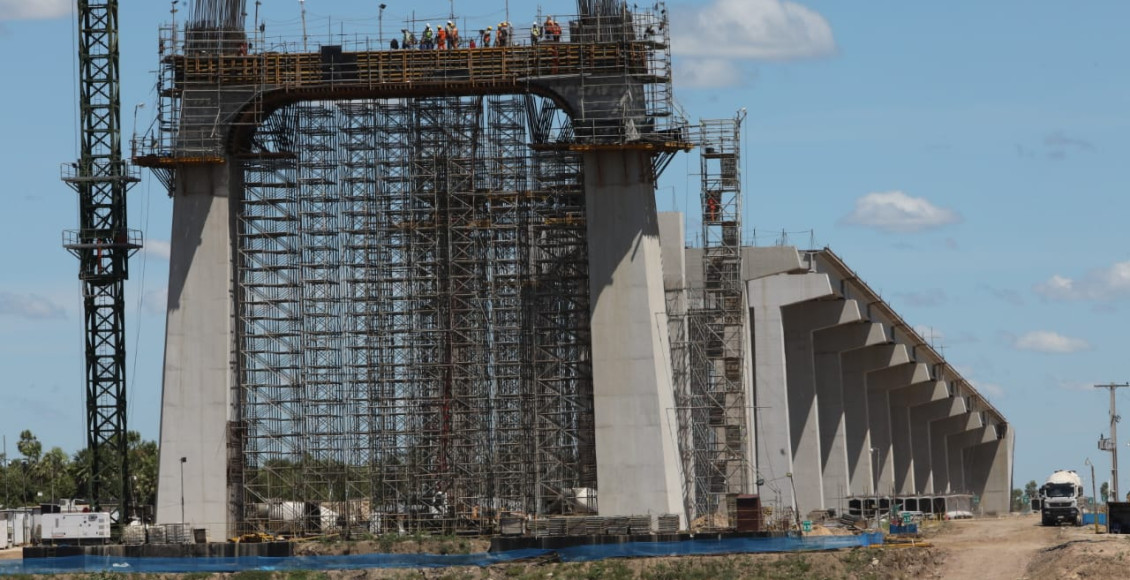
x=1018, y=547
x=12, y=554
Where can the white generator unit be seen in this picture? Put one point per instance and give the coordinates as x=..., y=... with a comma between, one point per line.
x=75, y=527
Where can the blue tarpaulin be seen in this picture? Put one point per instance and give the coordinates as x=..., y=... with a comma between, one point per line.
x=586, y=553
x=1089, y=519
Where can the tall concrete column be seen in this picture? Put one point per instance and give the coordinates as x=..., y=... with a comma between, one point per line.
x=921, y=418
x=902, y=401
x=883, y=436
x=990, y=471
x=959, y=465
x=857, y=364
x=828, y=346
x=767, y=296
x=940, y=431
x=801, y=321
x=637, y=461
x=195, y=397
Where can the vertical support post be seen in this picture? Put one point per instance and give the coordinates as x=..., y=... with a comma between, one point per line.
x=1114, y=419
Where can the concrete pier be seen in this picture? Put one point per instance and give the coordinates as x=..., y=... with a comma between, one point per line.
x=880, y=384
x=767, y=297
x=801, y=322
x=636, y=447
x=195, y=398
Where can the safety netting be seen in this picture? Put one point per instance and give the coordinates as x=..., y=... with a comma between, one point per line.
x=585, y=553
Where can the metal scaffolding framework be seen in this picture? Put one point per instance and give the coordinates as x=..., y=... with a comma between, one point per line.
x=413, y=346
x=708, y=345
x=413, y=319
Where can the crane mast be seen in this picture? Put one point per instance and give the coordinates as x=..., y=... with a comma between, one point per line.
x=103, y=244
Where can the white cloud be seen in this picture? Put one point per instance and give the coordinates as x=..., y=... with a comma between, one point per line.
x=157, y=249
x=1050, y=342
x=29, y=306
x=709, y=73
x=895, y=211
x=155, y=302
x=751, y=29
x=1102, y=284
x=34, y=9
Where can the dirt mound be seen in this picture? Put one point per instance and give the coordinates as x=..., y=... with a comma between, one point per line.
x=1099, y=556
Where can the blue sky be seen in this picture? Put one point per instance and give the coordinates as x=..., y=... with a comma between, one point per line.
x=967, y=158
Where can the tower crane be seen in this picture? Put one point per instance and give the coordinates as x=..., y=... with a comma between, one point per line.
x=103, y=244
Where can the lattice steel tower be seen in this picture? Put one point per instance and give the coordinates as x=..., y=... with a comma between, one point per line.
x=103, y=245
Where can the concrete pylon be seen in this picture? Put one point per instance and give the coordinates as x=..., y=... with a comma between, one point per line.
x=902, y=401
x=857, y=364
x=195, y=396
x=636, y=447
x=940, y=432
x=921, y=417
x=801, y=321
x=828, y=346
x=880, y=384
x=767, y=297
x=989, y=471
x=958, y=461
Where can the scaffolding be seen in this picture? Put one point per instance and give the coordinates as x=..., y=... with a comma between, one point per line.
x=413, y=320
x=411, y=261
x=708, y=345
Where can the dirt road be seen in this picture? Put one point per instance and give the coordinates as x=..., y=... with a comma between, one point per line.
x=993, y=548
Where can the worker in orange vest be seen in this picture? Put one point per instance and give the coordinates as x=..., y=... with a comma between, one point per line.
x=441, y=38
x=486, y=37
x=712, y=206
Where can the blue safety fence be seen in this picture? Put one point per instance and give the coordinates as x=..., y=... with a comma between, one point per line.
x=586, y=553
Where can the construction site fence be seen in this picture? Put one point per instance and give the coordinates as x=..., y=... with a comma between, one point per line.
x=77, y=564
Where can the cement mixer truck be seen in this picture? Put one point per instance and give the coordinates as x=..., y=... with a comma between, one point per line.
x=1062, y=499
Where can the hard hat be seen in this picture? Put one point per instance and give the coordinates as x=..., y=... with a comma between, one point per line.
x=449, y=23
x=428, y=26
x=490, y=28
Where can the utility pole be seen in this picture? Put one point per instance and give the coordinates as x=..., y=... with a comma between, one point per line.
x=1113, y=445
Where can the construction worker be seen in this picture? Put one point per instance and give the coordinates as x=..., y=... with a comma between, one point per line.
x=503, y=34
x=547, y=27
x=452, y=35
x=535, y=33
x=712, y=206
x=441, y=38
x=486, y=37
x=404, y=39
x=556, y=30
x=428, y=40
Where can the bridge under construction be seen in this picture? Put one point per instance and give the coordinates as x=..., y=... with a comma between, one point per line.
x=418, y=290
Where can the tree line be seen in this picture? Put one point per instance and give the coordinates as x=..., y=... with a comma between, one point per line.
x=34, y=477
